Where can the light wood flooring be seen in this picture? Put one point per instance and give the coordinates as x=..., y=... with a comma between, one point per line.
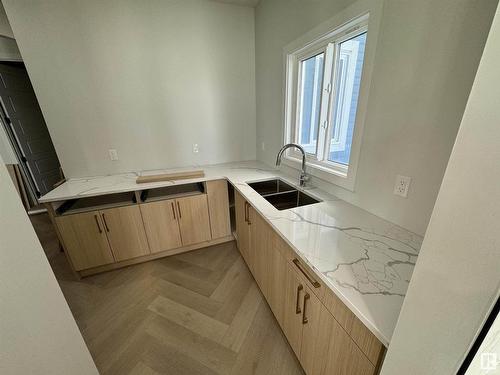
x=194, y=313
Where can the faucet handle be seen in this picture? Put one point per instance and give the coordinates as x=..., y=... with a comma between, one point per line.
x=303, y=179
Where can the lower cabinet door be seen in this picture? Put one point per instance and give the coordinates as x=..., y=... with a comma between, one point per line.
x=218, y=206
x=277, y=282
x=125, y=231
x=161, y=225
x=242, y=227
x=292, y=316
x=261, y=242
x=311, y=310
x=193, y=219
x=85, y=240
x=254, y=232
x=335, y=352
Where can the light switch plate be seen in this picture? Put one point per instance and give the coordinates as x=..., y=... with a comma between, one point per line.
x=402, y=186
x=196, y=149
x=113, y=154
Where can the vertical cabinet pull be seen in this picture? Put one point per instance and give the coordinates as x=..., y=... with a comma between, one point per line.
x=173, y=210
x=304, y=317
x=105, y=223
x=246, y=212
x=297, y=304
x=97, y=223
x=179, y=209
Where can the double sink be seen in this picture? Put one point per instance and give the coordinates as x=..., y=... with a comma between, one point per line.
x=282, y=195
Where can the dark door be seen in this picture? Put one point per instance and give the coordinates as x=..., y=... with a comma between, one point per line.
x=28, y=130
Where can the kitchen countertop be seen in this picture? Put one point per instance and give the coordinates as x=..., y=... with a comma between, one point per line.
x=365, y=260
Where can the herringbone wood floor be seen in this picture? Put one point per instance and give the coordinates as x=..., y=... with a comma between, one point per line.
x=194, y=313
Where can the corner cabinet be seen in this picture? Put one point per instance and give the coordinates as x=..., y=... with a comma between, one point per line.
x=324, y=334
x=115, y=230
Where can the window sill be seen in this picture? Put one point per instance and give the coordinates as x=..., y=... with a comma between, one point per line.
x=343, y=179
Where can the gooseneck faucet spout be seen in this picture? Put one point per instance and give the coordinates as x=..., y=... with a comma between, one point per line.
x=303, y=178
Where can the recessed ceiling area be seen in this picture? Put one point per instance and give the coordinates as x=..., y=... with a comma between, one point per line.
x=247, y=3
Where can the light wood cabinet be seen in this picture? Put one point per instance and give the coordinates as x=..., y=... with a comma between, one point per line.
x=252, y=232
x=125, y=231
x=311, y=323
x=278, y=268
x=253, y=222
x=178, y=222
x=292, y=315
x=301, y=318
x=97, y=238
x=161, y=225
x=106, y=232
x=85, y=240
x=218, y=206
x=301, y=304
x=260, y=247
x=335, y=352
x=242, y=225
x=193, y=219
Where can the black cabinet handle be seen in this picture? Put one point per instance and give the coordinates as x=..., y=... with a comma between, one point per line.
x=173, y=210
x=97, y=222
x=105, y=223
x=179, y=209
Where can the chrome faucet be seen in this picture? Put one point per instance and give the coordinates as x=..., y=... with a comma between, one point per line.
x=303, y=178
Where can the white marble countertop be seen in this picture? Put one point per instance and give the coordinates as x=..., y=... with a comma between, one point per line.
x=364, y=259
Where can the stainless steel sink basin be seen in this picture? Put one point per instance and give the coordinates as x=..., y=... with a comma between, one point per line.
x=282, y=195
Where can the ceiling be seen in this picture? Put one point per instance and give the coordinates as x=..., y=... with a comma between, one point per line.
x=247, y=3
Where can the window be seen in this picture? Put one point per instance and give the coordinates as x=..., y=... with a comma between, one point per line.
x=323, y=88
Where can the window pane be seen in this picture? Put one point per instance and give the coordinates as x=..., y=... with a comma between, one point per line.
x=347, y=82
x=311, y=81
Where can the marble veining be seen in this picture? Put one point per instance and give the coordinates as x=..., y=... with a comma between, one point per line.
x=383, y=267
x=364, y=259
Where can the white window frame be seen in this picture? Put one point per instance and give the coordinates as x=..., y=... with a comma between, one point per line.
x=362, y=16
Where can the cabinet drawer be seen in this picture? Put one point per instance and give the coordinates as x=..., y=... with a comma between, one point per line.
x=306, y=273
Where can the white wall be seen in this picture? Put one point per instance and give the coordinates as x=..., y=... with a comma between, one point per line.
x=9, y=50
x=5, y=29
x=38, y=334
x=148, y=78
x=456, y=279
x=6, y=151
x=427, y=55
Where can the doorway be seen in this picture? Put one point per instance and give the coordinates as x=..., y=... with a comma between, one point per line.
x=27, y=131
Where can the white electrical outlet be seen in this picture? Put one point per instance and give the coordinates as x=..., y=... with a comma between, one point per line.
x=402, y=185
x=195, y=148
x=263, y=146
x=113, y=154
